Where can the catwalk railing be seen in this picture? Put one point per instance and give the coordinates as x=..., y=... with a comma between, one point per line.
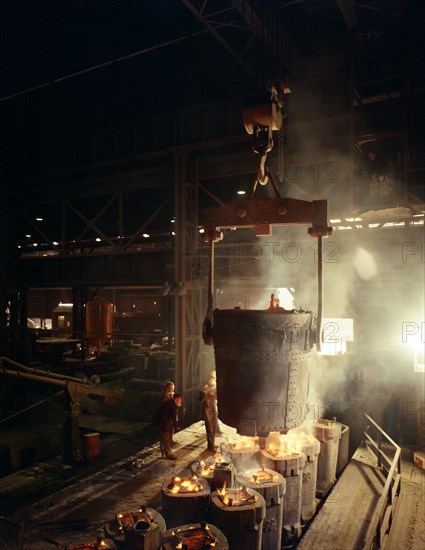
x=375, y=440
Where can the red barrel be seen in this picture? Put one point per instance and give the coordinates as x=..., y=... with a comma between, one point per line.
x=91, y=445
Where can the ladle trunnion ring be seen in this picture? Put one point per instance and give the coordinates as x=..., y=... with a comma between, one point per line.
x=262, y=364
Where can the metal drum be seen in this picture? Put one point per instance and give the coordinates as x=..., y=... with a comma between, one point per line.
x=262, y=364
x=99, y=321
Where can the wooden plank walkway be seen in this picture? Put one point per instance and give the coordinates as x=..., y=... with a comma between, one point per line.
x=408, y=530
x=344, y=518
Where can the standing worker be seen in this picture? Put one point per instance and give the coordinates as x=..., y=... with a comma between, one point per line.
x=167, y=394
x=167, y=419
x=168, y=391
x=208, y=399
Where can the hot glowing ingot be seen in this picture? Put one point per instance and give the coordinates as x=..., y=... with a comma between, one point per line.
x=195, y=536
x=272, y=487
x=311, y=448
x=328, y=432
x=205, y=469
x=224, y=474
x=240, y=514
x=99, y=544
x=262, y=364
x=143, y=534
x=343, y=450
x=290, y=463
x=236, y=497
x=185, y=500
x=242, y=452
x=116, y=529
x=185, y=485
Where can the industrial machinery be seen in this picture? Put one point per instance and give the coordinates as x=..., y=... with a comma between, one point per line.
x=76, y=389
x=99, y=322
x=262, y=356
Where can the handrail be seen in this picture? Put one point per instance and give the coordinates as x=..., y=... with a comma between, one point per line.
x=379, y=529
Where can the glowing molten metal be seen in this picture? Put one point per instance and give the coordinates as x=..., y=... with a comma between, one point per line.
x=184, y=485
x=236, y=497
x=194, y=537
x=262, y=476
x=244, y=443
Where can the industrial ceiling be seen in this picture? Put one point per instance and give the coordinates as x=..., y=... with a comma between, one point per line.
x=74, y=70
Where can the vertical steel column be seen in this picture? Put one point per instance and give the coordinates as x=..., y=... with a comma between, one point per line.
x=17, y=302
x=354, y=187
x=4, y=333
x=79, y=300
x=185, y=286
x=405, y=138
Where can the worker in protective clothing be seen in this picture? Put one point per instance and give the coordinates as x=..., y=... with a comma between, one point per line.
x=168, y=391
x=167, y=419
x=208, y=399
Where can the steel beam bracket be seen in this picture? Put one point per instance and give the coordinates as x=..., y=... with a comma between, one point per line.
x=262, y=214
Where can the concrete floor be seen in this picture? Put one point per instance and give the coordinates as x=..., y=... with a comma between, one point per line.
x=91, y=497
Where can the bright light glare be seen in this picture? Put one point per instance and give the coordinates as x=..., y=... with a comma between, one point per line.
x=286, y=299
x=146, y=235
x=241, y=192
x=335, y=334
x=419, y=358
x=365, y=264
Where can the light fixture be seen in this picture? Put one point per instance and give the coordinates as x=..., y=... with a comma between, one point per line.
x=146, y=235
x=241, y=192
x=55, y=243
x=202, y=230
x=28, y=236
x=39, y=219
x=98, y=239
